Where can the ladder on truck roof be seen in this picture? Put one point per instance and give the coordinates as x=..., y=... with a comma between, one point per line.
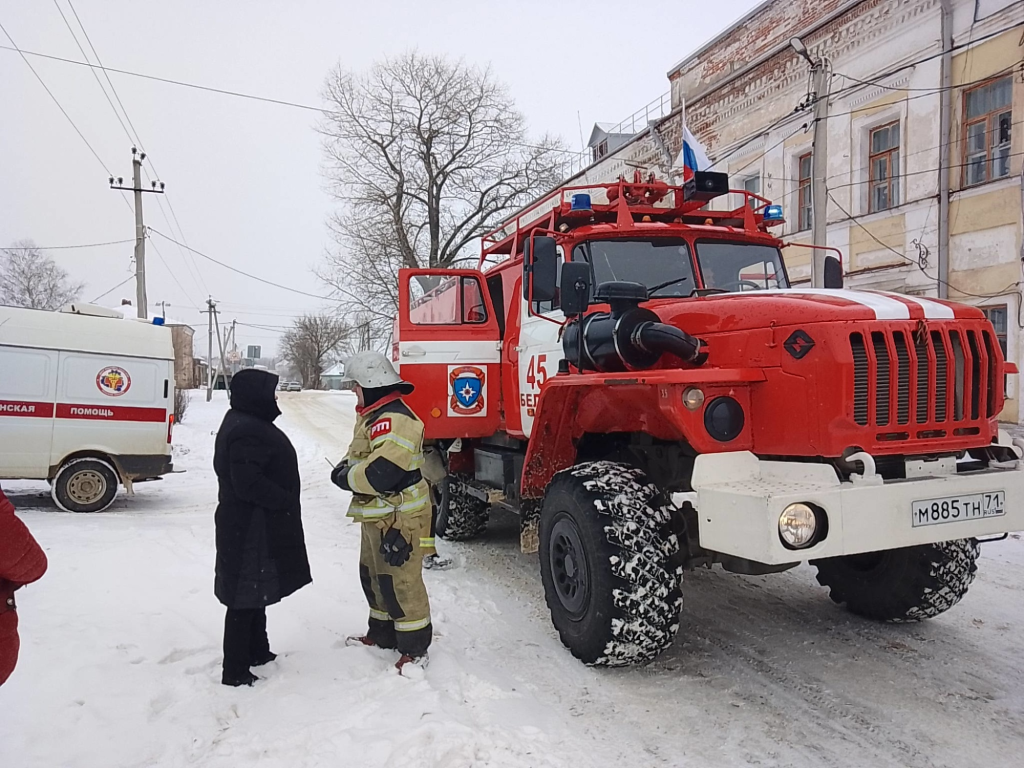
x=624, y=204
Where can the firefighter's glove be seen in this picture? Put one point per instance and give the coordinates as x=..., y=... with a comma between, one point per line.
x=339, y=476
x=395, y=548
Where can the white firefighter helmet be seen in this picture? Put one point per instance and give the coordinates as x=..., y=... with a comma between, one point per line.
x=371, y=370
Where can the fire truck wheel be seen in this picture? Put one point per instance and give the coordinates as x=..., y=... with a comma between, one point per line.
x=84, y=485
x=460, y=516
x=606, y=552
x=898, y=585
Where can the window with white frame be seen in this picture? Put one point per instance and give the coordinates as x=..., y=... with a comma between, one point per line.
x=986, y=137
x=804, y=166
x=997, y=316
x=884, y=166
x=752, y=184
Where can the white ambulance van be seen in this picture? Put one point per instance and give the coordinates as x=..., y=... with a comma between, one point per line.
x=86, y=402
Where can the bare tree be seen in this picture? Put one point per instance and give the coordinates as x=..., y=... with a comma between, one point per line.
x=424, y=155
x=30, y=278
x=311, y=342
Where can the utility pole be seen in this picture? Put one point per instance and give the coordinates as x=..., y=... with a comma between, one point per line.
x=945, y=142
x=820, y=74
x=140, y=229
x=223, y=359
x=210, y=309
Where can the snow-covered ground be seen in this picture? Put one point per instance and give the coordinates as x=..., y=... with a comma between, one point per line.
x=120, y=659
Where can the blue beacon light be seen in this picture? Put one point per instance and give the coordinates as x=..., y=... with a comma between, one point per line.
x=581, y=202
x=773, y=213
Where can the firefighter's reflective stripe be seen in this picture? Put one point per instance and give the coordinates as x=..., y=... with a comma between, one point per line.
x=427, y=543
x=411, y=626
x=401, y=442
x=393, y=436
x=411, y=500
x=380, y=615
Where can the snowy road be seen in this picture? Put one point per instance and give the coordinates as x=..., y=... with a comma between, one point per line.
x=120, y=659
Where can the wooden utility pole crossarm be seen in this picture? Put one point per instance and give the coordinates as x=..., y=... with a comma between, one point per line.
x=140, y=228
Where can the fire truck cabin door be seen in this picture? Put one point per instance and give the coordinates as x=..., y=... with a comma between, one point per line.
x=448, y=346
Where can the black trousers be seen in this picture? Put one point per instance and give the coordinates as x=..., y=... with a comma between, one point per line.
x=245, y=639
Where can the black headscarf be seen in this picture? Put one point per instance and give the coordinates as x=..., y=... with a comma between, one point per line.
x=254, y=392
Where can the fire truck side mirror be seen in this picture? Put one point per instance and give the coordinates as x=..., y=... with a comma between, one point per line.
x=540, y=259
x=575, y=288
x=833, y=272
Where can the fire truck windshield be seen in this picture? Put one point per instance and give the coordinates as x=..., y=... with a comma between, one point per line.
x=733, y=267
x=651, y=262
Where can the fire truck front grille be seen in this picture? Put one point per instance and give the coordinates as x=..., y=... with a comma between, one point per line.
x=918, y=382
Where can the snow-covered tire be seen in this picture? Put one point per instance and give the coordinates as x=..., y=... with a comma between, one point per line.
x=607, y=557
x=908, y=584
x=84, y=485
x=461, y=517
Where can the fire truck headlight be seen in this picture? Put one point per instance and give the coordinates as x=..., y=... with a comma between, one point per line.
x=799, y=525
x=693, y=398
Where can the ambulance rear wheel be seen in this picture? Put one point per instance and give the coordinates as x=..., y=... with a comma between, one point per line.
x=84, y=485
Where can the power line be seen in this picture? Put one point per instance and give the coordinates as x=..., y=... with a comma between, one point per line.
x=240, y=272
x=272, y=329
x=757, y=136
x=833, y=115
x=932, y=90
x=96, y=76
x=926, y=170
x=111, y=290
x=237, y=94
x=55, y=101
x=1006, y=292
x=59, y=106
x=971, y=41
x=171, y=272
x=109, y=82
x=133, y=135
x=82, y=245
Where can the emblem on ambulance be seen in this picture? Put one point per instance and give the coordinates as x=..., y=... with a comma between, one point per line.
x=113, y=381
x=466, y=391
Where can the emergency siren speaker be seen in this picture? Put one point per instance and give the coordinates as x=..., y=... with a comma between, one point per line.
x=707, y=185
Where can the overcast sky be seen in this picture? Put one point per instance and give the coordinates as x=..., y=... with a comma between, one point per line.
x=243, y=176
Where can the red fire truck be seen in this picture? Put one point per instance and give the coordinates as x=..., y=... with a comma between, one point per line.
x=633, y=374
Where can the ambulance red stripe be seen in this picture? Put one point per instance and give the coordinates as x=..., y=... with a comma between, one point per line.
x=110, y=413
x=26, y=410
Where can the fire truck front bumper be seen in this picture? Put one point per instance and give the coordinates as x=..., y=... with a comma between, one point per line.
x=780, y=512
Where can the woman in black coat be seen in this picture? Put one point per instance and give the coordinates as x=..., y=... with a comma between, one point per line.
x=261, y=551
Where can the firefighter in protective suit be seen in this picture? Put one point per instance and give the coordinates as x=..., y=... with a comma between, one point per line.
x=391, y=501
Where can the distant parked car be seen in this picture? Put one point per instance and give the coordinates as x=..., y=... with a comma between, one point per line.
x=291, y=386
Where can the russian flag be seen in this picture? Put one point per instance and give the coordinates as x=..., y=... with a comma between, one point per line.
x=693, y=157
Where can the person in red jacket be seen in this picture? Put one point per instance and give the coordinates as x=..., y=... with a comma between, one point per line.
x=22, y=561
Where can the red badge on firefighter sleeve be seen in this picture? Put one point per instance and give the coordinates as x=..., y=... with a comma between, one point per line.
x=379, y=428
x=466, y=390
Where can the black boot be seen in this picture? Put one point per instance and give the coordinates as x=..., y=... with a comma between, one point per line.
x=259, y=645
x=238, y=647
x=265, y=658
x=246, y=679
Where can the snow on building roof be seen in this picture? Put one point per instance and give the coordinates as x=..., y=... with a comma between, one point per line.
x=338, y=369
